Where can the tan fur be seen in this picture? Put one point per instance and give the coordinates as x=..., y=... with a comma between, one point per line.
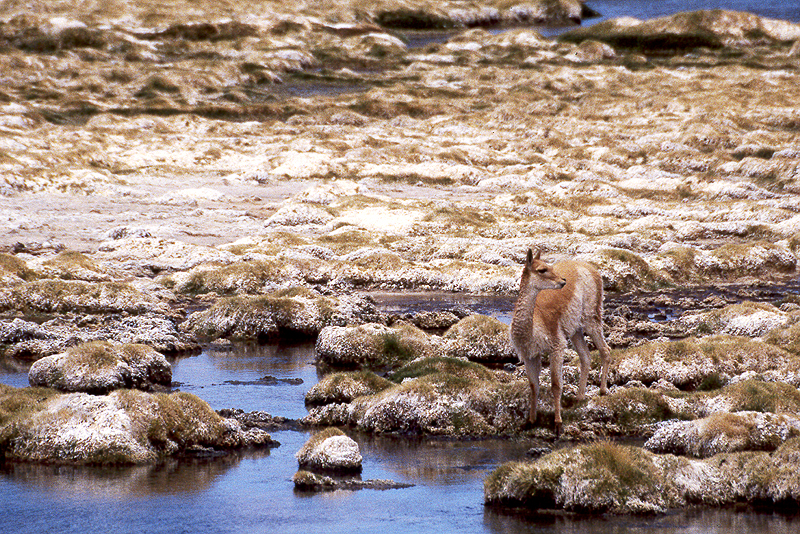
x=557, y=304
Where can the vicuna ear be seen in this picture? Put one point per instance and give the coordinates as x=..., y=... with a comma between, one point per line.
x=529, y=258
x=538, y=254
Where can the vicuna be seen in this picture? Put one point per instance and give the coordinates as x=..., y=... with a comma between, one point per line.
x=555, y=304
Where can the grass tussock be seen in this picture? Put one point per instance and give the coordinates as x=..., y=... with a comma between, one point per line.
x=596, y=478
x=68, y=264
x=758, y=396
x=14, y=266
x=452, y=367
x=343, y=387
x=636, y=273
x=19, y=402
x=244, y=277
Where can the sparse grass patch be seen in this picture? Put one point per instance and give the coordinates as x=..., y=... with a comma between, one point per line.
x=637, y=274
x=787, y=338
x=461, y=217
x=758, y=396
x=348, y=238
x=454, y=367
x=684, y=258
x=417, y=178
x=575, y=202
x=346, y=386
x=16, y=267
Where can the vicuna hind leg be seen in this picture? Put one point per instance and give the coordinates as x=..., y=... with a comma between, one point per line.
x=533, y=366
x=582, y=348
x=596, y=333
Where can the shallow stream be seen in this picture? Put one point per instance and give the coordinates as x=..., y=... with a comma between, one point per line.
x=253, y=492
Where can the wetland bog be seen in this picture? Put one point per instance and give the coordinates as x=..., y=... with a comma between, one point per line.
x=167, y=167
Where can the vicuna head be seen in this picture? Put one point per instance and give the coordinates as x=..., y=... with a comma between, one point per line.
x=539, y=275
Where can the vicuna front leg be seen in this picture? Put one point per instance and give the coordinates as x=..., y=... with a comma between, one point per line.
x=556, y=363
x=533, y=367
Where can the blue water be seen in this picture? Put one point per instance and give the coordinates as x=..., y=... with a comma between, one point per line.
x=253, y=492
x=643, y=9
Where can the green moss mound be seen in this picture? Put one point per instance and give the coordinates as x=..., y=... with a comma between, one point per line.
x=344, y=387
x=451, y=367
x=371, y=346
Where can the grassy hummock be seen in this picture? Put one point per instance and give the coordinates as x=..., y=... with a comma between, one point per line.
x=125, y=427
x=605, y=477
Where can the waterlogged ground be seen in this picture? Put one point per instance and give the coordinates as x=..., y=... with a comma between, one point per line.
x=253, y=492
x=198, y=149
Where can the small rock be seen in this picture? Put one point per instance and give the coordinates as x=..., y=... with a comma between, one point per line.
x=312, y=482
x=330, y=451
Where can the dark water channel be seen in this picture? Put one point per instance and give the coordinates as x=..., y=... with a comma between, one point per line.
x=310, y=84
x=253, y=492
x=648, y=9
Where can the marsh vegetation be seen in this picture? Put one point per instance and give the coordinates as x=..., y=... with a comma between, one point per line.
x=179, y=178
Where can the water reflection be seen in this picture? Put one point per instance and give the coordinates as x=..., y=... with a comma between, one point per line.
x=688, y=521
x=14, y=366
x=441, y=462
x=230, y=376
x=117, y=483
x=281, y=357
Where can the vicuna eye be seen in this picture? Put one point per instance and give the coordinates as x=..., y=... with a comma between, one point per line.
x=542, y=271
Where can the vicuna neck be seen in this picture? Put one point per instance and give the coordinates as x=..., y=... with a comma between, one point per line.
x=522, y=320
